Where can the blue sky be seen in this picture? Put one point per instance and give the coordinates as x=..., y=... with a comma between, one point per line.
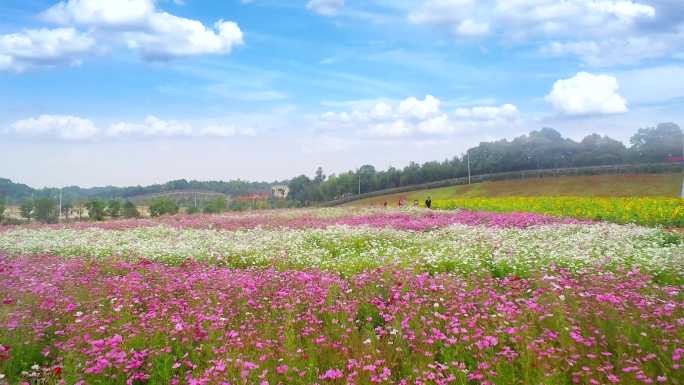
x=96, y=92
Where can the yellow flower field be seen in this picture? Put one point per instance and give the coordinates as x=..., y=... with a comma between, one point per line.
x=650, y=211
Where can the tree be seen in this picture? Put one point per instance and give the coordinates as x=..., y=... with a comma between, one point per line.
x=320, y=177
x=163, y=206
x=300, y=189
x=67, y=208
x=114, y=208
x=45, y=210
x=216, y=205
x=26, y=209
x=79, y=210
x=96, y=209
x=130, y=211
x=2, y=208
x=656, y=144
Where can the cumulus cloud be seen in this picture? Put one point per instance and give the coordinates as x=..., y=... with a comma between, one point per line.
x=152, y=126
x=141, y=26
x=325, y=7
x=587, y=94
x=419, y=109
x=55, y=126
x=171, y=36
x=43, y=47
x=484, y=113
x=600, y=32
x=119, y=13
x=413, y=116
x=69, y=127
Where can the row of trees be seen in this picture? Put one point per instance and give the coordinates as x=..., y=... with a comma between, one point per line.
x=47, y=210
x=542, y=149
x=17, y=192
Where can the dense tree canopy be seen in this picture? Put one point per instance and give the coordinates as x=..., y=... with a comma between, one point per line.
x=542, y=149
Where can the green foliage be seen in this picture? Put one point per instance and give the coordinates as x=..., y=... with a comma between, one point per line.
x=26, y=209
x=114, y=208
x=163, y=206
x=192, y=210
x=96, y=210
x=16, y=192
x=542, y=149
x=67, y=209
x=655, y=144
x=130, y=211
x=216, y=205
x=45, y=210
x=2, y=208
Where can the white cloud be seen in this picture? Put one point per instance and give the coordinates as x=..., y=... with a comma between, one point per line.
x=419, y=109
x=76, y=128
x=439, y=125
x=226, y=131
x=391, y=129
x=55, y=126
x=325, y=7
x=42, y=47
x=600, y=32
x=442, y=11
x=112, y=13
x=614, y=51
x=587, y=94
x=172, y=36
x=152, y=126
x=413, y=117
x=381, y=110
x=504, y=112
x=142, y=27
x=470, y=27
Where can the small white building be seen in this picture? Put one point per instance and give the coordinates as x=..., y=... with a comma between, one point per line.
x=280, y=191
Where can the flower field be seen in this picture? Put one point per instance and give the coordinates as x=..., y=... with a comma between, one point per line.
x=340, y=296
x=648, y=211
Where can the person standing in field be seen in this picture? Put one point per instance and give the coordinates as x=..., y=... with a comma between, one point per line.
x=428, y=202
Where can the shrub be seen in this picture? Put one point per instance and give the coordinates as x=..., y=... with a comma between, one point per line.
x=163, y=206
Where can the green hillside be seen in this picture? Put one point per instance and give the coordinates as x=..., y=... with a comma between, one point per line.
x=594, y=185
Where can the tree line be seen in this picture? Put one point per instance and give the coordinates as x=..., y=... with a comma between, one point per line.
x=541, y=149
x=47, y=210
x=17, y=192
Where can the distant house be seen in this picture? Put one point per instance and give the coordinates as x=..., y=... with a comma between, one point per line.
x=280, y=191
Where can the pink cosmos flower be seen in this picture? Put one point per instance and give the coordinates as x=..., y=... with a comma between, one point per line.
x=332, y=374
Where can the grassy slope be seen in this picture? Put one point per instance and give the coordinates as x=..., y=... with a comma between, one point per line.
x=596, y=185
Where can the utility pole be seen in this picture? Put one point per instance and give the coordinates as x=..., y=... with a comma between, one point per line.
x=59, y=213
x=468, y=152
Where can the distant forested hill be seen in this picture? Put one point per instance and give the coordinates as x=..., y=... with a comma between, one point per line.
x=16, y=192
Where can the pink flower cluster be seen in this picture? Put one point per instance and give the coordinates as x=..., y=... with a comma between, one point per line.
x=419, y=220
x=201, y=324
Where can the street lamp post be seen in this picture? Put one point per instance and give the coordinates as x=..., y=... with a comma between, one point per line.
x=468, y=154
x=59, y=213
